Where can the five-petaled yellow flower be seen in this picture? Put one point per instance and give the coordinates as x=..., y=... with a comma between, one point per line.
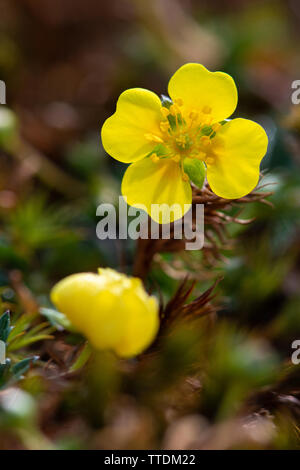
x=157, y=138
x=112, y=310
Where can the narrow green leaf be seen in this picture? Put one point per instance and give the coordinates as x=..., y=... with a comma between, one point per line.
x=57, y=319
x=21, y=325
x=22, y=367
x=40, y=328
x=25, y=341
x=5, y=326
x=82, y=359
x=4, y=372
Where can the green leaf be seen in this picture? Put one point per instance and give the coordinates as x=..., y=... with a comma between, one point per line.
x=21, y=325
x=4, y=372
x=27, y=340
x=5, y=326
x=22, y=367
x=195, y=169
x=57, y=319
x=82, y=359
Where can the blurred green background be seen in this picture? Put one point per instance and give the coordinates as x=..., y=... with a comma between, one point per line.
x=64, y=64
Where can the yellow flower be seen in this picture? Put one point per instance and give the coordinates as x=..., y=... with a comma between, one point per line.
x=191, y=126
x=112, y=310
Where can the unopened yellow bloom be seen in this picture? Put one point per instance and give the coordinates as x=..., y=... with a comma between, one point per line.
x=112, y=310
x=192, y=125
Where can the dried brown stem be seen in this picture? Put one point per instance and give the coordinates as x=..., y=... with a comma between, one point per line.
x=216, y=217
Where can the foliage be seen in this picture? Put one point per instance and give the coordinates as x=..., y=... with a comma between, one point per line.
x=17, y=337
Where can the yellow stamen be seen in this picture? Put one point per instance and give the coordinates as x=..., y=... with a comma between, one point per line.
x=193, y=114
x=179, y=102
x=164, y=126
x=165, y=112
x=153, y=138
x=180, y=140
x=210, y=160
x=154, y=158
x=205, y=140
x=174, y=109
x=216, y=126
x=200, y=155
x=185, y=135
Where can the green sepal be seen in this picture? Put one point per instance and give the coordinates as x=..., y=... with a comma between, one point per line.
x=195, y=169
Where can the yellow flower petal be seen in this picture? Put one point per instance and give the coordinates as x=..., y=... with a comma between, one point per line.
x=146, y=183
x=235, y=168
x=71, y=293
x=137, y=114
x=212, y=93
x=141, y=324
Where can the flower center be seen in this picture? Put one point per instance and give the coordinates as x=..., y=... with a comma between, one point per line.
x=185, y=135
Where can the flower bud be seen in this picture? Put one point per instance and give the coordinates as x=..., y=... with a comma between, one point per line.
x=112, y=310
